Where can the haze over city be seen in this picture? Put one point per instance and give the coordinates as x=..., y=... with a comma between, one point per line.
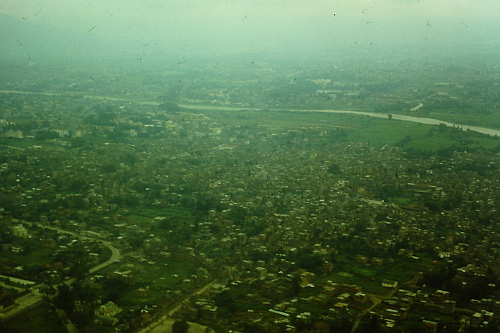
x=164, y=30
x=249, y=166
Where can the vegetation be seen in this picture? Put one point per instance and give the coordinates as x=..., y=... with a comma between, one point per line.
x=180, y=326
x=218, y=182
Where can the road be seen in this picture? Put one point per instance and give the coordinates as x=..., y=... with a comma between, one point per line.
x=21, y=304
x=115, y=253
x=164, y=323
x=377, y=299
x=35, y=297
x=421, y=120
x=115, y=256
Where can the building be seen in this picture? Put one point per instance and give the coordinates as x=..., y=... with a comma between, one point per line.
x=108, y=310
x=209, y=312
x=19, y=231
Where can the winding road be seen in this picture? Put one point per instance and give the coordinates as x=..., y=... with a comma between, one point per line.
x=115, y=253
x=34, y=297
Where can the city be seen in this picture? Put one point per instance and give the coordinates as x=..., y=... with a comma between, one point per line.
x=132, y=210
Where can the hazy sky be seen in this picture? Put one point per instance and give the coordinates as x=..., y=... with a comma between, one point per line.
x=260, y=25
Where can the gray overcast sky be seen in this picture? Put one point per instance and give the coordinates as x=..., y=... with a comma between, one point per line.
x=261, y=25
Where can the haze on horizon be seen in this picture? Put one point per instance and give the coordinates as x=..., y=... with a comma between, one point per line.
x=181, y=29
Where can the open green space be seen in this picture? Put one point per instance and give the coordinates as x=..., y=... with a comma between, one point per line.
x=482, y=120
x=430, y=138
x=36, y=254
x=144, y=215
x=13, y=143
x=359, y=128
x=162, y=276
x=370, y=278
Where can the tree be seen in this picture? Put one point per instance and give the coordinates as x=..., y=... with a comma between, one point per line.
x=310, y=262
x=226, y=301
x=46, y=135
x=180, y=326
x=6, y=329
x=64, y=299
x=169, y=107
x=115, y=287
x=334, y=169
x=81, y=318
x=295, y=286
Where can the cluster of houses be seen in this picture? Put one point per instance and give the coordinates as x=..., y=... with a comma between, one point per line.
x=275, y=203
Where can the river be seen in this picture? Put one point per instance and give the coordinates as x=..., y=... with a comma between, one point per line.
x=421, y=120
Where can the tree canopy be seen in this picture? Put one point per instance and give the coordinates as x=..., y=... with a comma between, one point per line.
x=180, y=326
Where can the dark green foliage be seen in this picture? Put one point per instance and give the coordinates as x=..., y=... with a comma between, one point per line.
x=306, y=260
x=180, y=326
x=64, y=299
x=334, y=169
x=78, y=185
x=46, y=135
x=108, y=168
x=115, y=288
x=252, y=328
x=476, y=289
x=6, y=329
x=79, y=271
x=434, y=278
x=369, y=324
x=81, y=318
x=123, y=200
x=310, y=262
x=404, y=141
x=295, y=286
x=226, y=302
x=84, y=293
x=341, y=324
x=169, y=107
x=70, y=256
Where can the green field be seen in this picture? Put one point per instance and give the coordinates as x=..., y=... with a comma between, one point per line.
x=37, y=255
x=376, y=131
x=370, y=277
x=482, y=120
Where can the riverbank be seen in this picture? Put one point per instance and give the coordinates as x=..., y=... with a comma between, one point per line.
x=421, y=120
